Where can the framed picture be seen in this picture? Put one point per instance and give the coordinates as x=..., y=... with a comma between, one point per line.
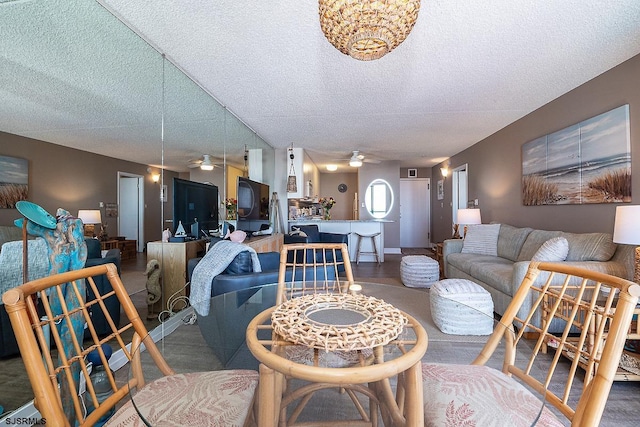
x=440, y=189
x=589, y=162
x=412, y=173
x=111, y=209
x=163, y=193
x=14, y=180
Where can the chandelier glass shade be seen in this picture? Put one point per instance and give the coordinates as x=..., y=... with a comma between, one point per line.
x=367, y=29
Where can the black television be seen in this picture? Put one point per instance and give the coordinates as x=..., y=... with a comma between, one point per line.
x=253, y=205
x=195, y=201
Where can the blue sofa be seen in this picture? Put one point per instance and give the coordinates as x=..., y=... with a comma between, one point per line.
x=240, y=275
x=314, y=235
x=94, y=257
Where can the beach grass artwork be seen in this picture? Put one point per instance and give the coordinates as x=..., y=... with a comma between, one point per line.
x=14, y=181
x=589, y=162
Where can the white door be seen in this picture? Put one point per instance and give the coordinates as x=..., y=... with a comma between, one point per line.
x=415, y=213
x=131, y=208
x=459, y=186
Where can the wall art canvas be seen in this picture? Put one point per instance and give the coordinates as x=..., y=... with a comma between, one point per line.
x=589, y=162
x=440, y=189
x=14, y=181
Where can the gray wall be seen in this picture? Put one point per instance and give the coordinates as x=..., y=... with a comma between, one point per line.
x=343, y=209
x=388, y=171
x=61, y=177
x=495, y=164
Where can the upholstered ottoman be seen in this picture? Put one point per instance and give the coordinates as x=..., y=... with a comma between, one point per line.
x=419, y=271
x=461, y=307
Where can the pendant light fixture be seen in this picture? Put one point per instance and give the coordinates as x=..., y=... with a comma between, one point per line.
x=292, y=186
x=367, y=29
x=245, y=171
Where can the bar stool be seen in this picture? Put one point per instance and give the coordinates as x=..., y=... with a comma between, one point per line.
x=373, y=244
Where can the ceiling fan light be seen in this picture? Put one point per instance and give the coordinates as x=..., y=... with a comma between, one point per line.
x=355, y=162
x=206, y=167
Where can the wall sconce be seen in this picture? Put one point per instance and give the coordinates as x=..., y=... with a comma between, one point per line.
x=445, y=172
x=155, y=177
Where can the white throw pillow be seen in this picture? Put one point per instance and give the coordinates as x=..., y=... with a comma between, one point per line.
x=481, y=239
x=553, y=250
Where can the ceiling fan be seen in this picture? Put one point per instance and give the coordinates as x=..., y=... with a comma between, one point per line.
x=357, y=159
x=204, y=163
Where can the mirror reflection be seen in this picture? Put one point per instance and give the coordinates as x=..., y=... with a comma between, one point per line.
x=379, y=198
x=74, y=74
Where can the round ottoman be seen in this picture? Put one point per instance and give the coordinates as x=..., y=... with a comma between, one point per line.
x=461, y=307
x=419, y=271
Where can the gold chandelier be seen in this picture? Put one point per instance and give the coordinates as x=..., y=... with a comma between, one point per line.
x=367, y=29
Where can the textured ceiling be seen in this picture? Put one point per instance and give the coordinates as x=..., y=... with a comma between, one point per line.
x=467, y=70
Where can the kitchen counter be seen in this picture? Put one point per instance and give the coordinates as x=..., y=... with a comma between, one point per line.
x=350, y=227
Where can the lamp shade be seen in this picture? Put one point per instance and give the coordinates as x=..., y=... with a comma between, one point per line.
x=89, y=216
x=469, y=216
x=626, y=229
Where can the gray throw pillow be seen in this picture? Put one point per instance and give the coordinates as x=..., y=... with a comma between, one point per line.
x=553, y=250
x=481, y=239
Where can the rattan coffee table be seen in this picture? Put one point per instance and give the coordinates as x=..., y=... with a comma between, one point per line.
x=398, y=350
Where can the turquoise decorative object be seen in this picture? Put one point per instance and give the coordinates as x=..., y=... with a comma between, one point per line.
x=36, y=213
x=67, y=251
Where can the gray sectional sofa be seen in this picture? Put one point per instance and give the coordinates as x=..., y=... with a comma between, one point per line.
x=501, y=275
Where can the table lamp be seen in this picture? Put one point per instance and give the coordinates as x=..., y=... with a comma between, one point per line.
x=468, y=217
x=89, y=218
x=626, y=231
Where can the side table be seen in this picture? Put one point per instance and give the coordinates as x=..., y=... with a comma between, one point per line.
x=440, y=259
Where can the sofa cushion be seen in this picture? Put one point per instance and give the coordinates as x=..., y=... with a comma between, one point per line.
x=465, y=262
x=534, y=240
x=311, y=231
x=553, y=250
x=10, y=233
x=94, y=249
x=590, y=246
x=241, y=264
x=498, y=274
x=510, y=241
x=481, y=239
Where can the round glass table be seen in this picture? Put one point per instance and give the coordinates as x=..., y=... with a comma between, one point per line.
x=192, y=343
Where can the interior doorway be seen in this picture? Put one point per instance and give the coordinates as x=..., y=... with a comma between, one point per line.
x=415, y=212
x=131, y=208
x=460, y=190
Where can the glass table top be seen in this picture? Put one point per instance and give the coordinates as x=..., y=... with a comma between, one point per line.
x=192, y=343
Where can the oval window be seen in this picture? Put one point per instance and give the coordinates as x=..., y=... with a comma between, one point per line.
x=379, y=198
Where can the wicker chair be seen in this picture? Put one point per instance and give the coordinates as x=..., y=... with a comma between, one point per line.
x=311, y=264
x=309, y=274
x=47, y=376
x=594, y=311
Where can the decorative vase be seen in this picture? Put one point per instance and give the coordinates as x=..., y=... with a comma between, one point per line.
x=327, y=214
x=231, y=214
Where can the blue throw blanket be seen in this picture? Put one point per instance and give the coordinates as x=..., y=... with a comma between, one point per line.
x=215, y=261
